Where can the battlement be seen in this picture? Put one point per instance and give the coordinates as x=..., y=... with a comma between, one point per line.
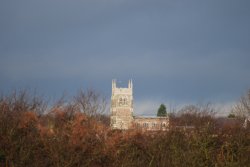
x=119, y=90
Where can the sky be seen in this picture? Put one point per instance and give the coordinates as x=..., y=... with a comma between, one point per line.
x=176, y=52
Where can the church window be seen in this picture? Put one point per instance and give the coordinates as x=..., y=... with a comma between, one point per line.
x=120, y=101
x=124, y=101
x=145, y=124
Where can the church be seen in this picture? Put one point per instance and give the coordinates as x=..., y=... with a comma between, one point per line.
x=122, y=112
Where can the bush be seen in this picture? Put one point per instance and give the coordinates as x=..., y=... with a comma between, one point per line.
x=64, y=136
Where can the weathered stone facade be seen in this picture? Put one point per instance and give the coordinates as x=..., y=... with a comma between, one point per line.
x=151, y=123
x=121, y=106
x=122, y=112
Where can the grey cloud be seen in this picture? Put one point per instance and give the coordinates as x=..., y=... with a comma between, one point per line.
x=179, y=49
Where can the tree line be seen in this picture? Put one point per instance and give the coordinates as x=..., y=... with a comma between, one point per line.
x=76, y=133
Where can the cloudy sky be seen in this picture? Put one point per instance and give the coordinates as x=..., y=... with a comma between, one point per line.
x=176, y=52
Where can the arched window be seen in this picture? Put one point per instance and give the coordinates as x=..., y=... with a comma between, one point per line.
x=145, y=124
x=124, y=101
x=120, y=101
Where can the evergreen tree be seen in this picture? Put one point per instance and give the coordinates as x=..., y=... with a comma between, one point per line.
x=231, y=115
x=162, y=111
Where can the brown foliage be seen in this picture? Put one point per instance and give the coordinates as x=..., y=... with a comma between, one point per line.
x=68, y=137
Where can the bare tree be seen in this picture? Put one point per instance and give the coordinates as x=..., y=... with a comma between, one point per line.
x=24, y=100
x=196, y=115
x=90, y=103
x=242, y=108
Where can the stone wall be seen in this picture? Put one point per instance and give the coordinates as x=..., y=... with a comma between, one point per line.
x=121, y=106
x=122, y=112
x=151, y=123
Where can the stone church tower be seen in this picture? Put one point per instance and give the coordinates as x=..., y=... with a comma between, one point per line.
x=121, y=106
